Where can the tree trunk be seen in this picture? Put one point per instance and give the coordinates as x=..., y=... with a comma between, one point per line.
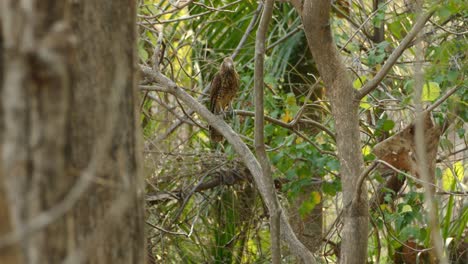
x=315, y=15
x=69, y=167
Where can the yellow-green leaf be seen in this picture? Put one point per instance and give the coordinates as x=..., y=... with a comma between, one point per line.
x=364, y=104
x=299, y=140
x=448, y=178
x=406, y=208
x=366, y=150
x=359, y=82
x=316, y=197
x=385, y=207
x=291, y=99
x=430, y=92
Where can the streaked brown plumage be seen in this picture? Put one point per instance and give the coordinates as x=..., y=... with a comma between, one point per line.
x=223, y=90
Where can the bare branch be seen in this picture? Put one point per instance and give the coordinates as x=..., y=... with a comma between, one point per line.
x=248, y=31
x=363, y=176
x=442, y=99
x=449, y=31
x=275, y=211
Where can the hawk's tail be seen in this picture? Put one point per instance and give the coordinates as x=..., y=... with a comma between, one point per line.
x=215, y=136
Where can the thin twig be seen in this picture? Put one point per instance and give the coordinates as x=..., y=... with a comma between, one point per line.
x=285, y=37
x=178, y=8
x=362, y=177
x=442, y=99
x=449, y=31
x=248, y=31
x=169, y=108
x=189, y=17
x=289, y=125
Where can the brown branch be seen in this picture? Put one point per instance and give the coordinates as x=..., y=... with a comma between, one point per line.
x=167, y=231
x=259, y=137
x=362, y=177
x=340, y=91
x=248, y=31
x=219, y=177
x=288, y=125
x=285, y=37
x=149, y=74
x=442, y=99
x=451, y=154
x=392, y=59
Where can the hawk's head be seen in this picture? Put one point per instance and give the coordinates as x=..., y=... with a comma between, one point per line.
x=227, y=65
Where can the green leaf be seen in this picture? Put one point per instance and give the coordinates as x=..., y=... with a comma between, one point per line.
x=330, y=188
x=406, y=208
x=385, y=124
x=309, y=205
x=142, y=53
x=430, y=92
x=291, y=99
x=357, y=84
x=270, y=80
x=461, y=133
x=388, y=125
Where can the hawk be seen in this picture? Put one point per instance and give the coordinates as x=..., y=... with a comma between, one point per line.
x=223, y=89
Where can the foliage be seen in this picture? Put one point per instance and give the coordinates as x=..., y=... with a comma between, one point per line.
x=198, y=35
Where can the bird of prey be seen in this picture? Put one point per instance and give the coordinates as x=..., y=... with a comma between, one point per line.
x=223, y=90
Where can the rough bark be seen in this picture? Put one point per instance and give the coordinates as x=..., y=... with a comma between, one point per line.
x=315, y=15
x=68, y=150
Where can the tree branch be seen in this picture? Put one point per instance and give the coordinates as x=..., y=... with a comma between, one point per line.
x=392, y=59
x=259, y=138
x=442, y=99
x=288, y=125
x=340, y=91
x=248, y=31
